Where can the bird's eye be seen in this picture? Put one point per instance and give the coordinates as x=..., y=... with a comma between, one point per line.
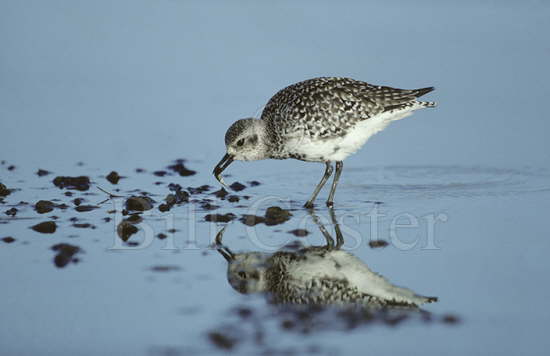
x=242, y=274
x=240, y=142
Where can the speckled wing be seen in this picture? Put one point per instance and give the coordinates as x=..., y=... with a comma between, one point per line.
x=326, y=107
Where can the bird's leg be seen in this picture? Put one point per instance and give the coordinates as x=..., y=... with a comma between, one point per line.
x=339, y=236
x=328, y=173
x=339, y=166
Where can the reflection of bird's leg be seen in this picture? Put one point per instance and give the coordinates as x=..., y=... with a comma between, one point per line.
x=223, y=250
x=326, y=234
x=339, y=236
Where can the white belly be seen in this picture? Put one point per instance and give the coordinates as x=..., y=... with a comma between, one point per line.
x=338, y=148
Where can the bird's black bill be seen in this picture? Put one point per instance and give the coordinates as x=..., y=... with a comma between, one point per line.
x=221, y=166
x=224, y=251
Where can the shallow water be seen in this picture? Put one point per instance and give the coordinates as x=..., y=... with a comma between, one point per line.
x=451, y=202
x=463, y=242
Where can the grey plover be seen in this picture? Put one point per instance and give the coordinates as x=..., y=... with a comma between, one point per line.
x=318, y=275
x=319, y=120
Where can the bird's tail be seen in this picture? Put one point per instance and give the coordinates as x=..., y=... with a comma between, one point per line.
x=423, y=91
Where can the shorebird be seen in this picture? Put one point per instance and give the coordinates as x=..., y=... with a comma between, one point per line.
x=317, y=275
x=319, y=120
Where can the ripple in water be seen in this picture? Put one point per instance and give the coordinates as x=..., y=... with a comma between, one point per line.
x=450, y=181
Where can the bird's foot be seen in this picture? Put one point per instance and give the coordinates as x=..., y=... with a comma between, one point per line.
x=330, y=204
x=308, y=205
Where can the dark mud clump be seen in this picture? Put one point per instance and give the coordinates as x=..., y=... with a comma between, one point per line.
x=4, y=191
x=251, y=220
x=378, y=243
x=275, y=215
x=11, y=212
x=178, y=196
x=206, y=205
x=46, y=227
x=161, y=236
x=299, y=232
x=254, y=183
x=450, y=319
x=233, y=199
x=180, y=168
x=65, y=254
x=85, y=208
x=222, y=193
x=222, y=341
x=125, y=230
x=8, y=239
x=237, y=186
x=42, y=172
x=139, y=203
x=220, y=217
x=81, y=183
x=165, y=268
x=44, y=206
x=199, y=190
x=113, y=177
x=160, y=173
x=84, y=226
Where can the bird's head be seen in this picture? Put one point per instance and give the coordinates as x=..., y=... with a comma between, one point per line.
x=245, y=271
x=244, y=141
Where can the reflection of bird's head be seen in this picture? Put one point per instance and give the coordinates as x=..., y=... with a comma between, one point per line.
x=246, y=272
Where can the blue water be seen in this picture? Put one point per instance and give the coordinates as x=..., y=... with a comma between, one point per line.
x=460, y=192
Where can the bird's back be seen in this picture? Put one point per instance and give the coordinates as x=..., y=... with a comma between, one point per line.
x=329, y=118
x=341, y=102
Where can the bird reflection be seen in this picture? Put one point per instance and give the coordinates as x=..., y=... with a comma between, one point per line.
x=315, y=275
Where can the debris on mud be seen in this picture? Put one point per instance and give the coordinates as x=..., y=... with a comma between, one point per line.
x=299, y=232
x=113, y=177
x=233, y=199
x=273, y=216
x=8, y=239
x=254, y=183
x=44, y=206
x=125, y=230
x=165, y=268
x=178, y=197
x=85, y=208
x=42, y=172
x=160, y=173
x=222, y=193
x=46, y=227
x=220, y=217
x=84, y=225
x=139, y=203
x=65, y=254
x=81, y=183
x=11, y=212
x=251, y=220
x=4, y=191
x=205, y=205
x=221, y=340
x=180, y=168
x=199, y=190
x=378, y=243
x=237, y=186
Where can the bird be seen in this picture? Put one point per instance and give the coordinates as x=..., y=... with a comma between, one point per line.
x=314, y=275
x=323, y=119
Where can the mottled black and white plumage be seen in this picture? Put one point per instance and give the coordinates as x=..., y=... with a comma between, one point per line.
x=319, y=120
